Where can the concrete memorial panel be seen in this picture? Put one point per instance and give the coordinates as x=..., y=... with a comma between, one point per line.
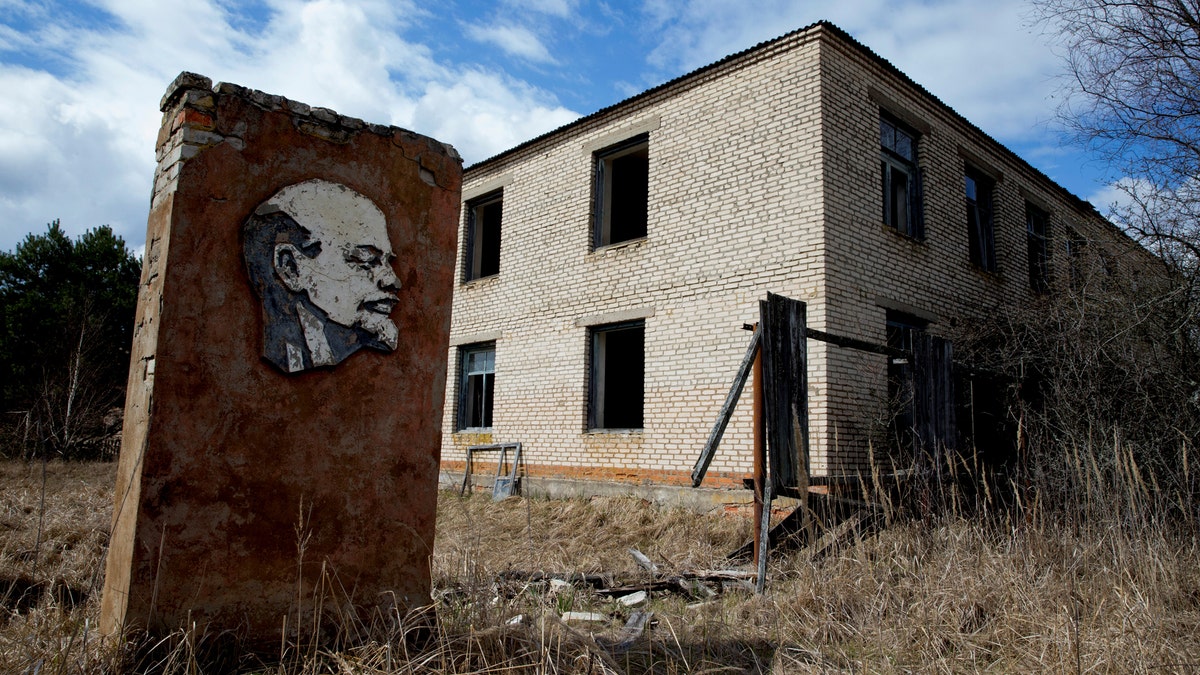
x=283, y=416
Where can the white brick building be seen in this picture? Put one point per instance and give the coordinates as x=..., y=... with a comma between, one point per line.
x=607, y=267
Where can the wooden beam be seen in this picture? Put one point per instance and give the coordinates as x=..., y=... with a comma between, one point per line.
x=855, y=343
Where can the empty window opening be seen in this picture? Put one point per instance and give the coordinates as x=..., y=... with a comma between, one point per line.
x=900, y=329
x=483, y=235
x=901, y=179
x=477, y=386
x=1076, y=247
x=622, y=192
x=1037, y=236
x=617, y=376
x=980, y=229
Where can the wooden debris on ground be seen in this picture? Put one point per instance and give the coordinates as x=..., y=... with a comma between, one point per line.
x=632, y=630
x=643, y=561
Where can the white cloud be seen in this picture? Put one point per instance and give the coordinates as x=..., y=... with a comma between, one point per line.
x=514, y=40
x=80, y=147
x=76, y=138
x=1117, y=196
x=559, y=8
x=980, y=58
x=492, y=115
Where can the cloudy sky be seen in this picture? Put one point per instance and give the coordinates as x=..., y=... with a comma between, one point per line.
x=81, y=80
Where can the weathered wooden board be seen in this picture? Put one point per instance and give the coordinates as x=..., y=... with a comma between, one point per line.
x=934, y=419
x=785, y=371
x=718, y=430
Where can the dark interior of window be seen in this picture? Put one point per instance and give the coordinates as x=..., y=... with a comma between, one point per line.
x=477, y=387
x=483, y=236
x=1076, y=247
x=622, y=192
x=1039, y=253
x=901, y=179
x=980, y=228
x=618, y=376
x=900, y=329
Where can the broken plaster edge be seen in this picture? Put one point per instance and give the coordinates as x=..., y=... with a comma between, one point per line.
x=188, y=81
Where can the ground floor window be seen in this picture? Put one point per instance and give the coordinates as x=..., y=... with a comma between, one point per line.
x=618, y=369
x=477, y=386
x=900, y=330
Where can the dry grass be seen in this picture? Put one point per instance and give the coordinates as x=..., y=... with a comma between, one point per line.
x=1045, y=593
x=52, y=545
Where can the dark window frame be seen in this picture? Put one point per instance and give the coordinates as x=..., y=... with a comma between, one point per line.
x=479, y=417
x=901, y=178
x=616, y=391
x=1076, y=248
x=1037, y=237
x=481, y=262
x=899, y=330
x=980, y=193
x=624, y=167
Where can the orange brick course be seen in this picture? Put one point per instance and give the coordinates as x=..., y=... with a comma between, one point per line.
x=714, y=479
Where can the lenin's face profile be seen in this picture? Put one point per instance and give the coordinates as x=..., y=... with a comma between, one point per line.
x=327, y=282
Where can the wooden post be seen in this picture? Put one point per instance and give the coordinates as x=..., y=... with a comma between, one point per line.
x=760, y=453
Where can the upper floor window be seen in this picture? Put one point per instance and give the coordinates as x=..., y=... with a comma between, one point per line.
x=1076, y=247
x=621, y=192
x=980, y=229
x=477, y=386
x=1037, y=236
x=483, y=235
x=901, y=178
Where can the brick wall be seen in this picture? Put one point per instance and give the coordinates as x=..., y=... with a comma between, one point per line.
x=871, y=268
x=764, y=176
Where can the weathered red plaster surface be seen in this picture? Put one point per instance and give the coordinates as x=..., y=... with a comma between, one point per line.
x=241, y=483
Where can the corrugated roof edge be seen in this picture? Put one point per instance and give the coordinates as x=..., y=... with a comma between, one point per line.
x=835, y=30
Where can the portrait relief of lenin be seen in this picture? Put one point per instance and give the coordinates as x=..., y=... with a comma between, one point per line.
x=319, y=260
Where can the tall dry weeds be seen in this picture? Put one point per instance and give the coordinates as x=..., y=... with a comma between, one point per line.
x=1016, y=590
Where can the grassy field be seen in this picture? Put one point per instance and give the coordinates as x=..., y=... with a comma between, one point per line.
x=950, y=594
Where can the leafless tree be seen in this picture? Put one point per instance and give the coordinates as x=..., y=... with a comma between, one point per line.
x=1133, y=95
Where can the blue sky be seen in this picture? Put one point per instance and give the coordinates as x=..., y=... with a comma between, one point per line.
x=82, y=80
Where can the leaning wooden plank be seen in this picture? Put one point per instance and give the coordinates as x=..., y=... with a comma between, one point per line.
x=718, y=430
x=793, y=529
x=835, y=536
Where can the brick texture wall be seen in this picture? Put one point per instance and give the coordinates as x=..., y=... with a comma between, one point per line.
x=763, y=176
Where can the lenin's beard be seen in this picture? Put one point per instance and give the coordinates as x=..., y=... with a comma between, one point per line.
x=377, y=331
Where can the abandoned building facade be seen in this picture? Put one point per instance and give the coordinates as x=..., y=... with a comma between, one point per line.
x=606, y=268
